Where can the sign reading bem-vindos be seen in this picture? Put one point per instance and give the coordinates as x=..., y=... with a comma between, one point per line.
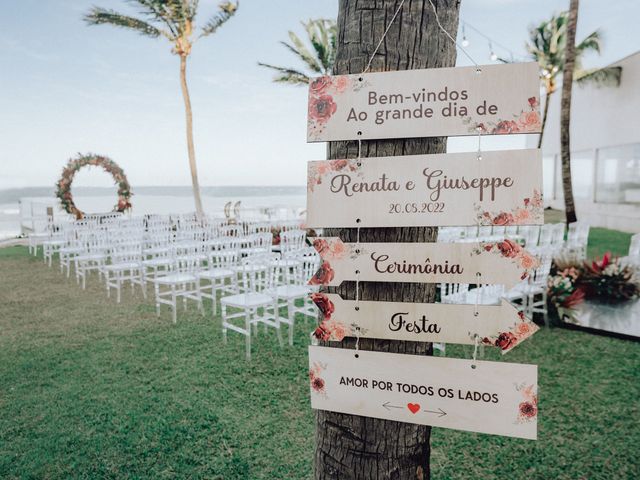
x=502, y=188
x=488, y=397
x=486, y=100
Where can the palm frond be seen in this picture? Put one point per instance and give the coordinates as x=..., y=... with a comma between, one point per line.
x=303, y=53
x=101, y=16
x=287, y=75
x=608, y=76
x=226, y=10
x=592, y=42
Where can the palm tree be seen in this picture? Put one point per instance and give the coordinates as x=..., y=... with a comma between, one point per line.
x=565, y=113
x=547, y=44
x=318, y=61
x=173, y=20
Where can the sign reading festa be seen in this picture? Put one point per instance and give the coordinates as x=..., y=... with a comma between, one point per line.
x=503, y=262
x=501, y=188
x=502, y=326
x=487, y=100
x=487, y=397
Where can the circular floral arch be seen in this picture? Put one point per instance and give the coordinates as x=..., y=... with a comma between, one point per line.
x=63, y=187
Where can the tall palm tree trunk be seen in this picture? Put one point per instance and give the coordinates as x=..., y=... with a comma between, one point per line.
x=349, y=446
x=565, y=112
x=547, y=100
x=190, y=148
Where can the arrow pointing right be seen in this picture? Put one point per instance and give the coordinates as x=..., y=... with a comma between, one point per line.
x=503, y=262
x=440, y=412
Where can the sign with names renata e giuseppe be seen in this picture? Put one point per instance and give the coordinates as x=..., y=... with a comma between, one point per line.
x=486, y=100
x=501, y=188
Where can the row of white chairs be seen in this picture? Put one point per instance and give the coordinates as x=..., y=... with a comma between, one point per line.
x=252, y=280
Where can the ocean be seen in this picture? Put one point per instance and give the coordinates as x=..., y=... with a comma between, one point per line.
x=283, y=201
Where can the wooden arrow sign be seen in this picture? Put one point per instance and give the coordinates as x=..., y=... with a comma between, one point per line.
x=487, y=100
x=488, y=397
x=501, y=325
x=503, y=188
x=503, y=262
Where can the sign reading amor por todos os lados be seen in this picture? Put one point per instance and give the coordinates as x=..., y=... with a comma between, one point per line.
x=503, y=188
x=488, y=397
x=490, y=100
x=501, y=326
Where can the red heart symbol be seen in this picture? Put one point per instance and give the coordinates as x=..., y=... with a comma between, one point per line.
x=413, y=407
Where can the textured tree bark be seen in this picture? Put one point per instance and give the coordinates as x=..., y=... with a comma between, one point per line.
x=565, y=112
x=190, y=148
x=348, y=446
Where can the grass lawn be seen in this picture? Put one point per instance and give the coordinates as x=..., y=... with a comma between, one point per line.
x=94, y=389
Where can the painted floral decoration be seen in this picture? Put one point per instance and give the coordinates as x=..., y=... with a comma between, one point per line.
x=322, y=99
x=528, y=121
x=318, y=170
x=528, y=407
x=63, y=187
x=529, y=212
x=315, y=379
x=519, y=331
x=512, y=250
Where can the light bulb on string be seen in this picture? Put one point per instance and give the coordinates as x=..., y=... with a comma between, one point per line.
x=492, y=55
x=465, y=42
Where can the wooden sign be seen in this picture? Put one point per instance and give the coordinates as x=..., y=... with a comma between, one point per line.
x=502, y=326
x=503, y=188
x=494, y=100
x=504, y=262
x=494, y=397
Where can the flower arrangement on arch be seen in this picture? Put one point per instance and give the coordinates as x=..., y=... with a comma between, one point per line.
x=63, y=187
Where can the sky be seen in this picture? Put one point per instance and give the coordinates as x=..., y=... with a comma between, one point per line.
x=67, y=88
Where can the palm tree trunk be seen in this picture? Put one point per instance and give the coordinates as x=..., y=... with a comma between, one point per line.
x=565, y=112
x=349, y=446
x=547, y=100
x=190, y=148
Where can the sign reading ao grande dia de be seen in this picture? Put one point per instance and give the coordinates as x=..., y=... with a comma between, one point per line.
x=502, y=188
x=488, y=100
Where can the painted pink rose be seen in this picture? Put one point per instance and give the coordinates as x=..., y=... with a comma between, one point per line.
x=325, y=305
x=522, y=215
x=322, y=333
x=533, y=102
x=530, y=120
x=506, y=126
x=321, y=245
x=528, y=409
x=338, y=250
x=340, y=83
x=321, y=108
x=523, y=328
x=506, y=340
x=502, y=219
x=338, y=331
x=319, y=85
x=323, y=276
x=323, y=168
x=509, y=248
x=317, y=384
x=527, y=262
x=338, y=164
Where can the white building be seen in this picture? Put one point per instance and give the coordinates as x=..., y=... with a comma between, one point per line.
x=605, y=151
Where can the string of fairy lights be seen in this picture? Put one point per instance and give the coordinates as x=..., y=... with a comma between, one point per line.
x=491, y=44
